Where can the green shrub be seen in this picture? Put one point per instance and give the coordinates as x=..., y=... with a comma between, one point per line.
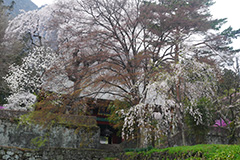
x=203, y=151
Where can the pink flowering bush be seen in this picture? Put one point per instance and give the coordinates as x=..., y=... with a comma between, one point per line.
x=221, y=123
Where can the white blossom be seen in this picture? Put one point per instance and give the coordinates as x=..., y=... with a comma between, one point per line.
x=28, y=78
x=21, y=101
x=160, y=105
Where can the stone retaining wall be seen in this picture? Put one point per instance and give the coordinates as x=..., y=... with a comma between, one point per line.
x=34, y=136
x=13, y=153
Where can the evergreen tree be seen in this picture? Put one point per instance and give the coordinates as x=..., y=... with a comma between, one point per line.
x=8, y=54
x=3, y=59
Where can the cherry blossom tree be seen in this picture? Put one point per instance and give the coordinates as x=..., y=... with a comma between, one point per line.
x=21, y=101
x=163, y=109
x=122, y=39
x=31, y=27
x=28, y=78
x=114, y=48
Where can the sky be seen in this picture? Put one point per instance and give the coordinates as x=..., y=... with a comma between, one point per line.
x=228, y=9
x=39, y=3
x=221, y=9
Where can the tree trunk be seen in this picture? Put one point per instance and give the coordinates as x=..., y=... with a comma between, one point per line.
x=183, y=135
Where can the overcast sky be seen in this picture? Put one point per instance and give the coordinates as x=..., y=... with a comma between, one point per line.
x=221, y=9
x=39, y=3
x=228, y=9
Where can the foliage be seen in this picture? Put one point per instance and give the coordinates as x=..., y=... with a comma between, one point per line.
x=211, y=152
x=48, y=102
x=199, y=131
x=13, y=48
x=228, y=82
x=40, y=141
x=228, y=104
x=9, y=55
x=26, y=119
x=152, y=54
x=163, y=109
x=60, y=103
x=4, y=59
x=121, y=49
x=115, y=117
x=50, y=108
x=4, y=20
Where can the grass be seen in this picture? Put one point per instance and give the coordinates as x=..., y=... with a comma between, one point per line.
x=203, y=151
x=209, y=151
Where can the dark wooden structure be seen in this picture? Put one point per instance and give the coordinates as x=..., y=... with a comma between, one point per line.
x=99, y=108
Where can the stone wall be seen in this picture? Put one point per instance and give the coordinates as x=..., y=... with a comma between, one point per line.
x=10, y=114
x=60, y=142
x=34, y=136
x=55, y=154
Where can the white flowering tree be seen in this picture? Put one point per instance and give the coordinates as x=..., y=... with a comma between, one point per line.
x=114, y=47
x=120, y=41
x=31, y=27
x=26, y=79
x=163, y=108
